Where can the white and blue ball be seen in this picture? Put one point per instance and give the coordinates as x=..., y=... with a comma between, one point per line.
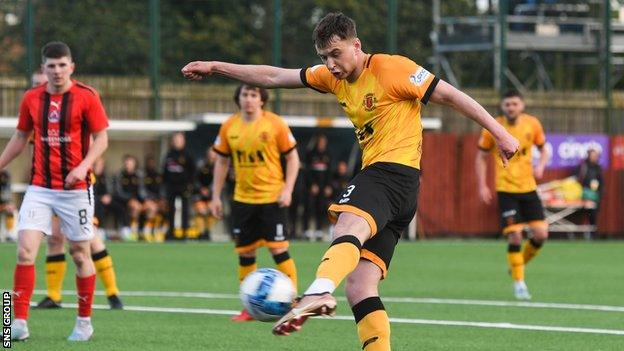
x=267, y=294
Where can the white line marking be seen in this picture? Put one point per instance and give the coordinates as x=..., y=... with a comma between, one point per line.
x=495, y=303
x=393, y=320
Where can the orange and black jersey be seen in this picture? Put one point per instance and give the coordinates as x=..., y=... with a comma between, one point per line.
x=383, y=104
x=100, y=183
x=128, y=186
x=255, y=148
x=204, y=175
x=517, y=177
x=152, y=181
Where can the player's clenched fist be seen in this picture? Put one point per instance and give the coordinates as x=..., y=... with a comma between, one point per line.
x=197, y=69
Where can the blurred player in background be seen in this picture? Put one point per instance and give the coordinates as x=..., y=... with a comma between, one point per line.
x=318, y=163
x=518, y=202
x=7, y=208
x=254, y=139
x=204, y=220
x=382, y=95
x=153, y=206
x=64, y=115
x=178, y=178
x=128, y=194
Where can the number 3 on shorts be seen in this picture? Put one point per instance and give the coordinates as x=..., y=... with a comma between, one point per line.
x=83, y=216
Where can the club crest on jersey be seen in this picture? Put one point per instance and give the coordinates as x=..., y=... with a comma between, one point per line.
x=54, y=116
x=264, y=137
x=369, y=102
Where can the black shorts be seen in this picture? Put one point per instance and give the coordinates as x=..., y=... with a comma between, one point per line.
x=517, y=209
x=384, y=194
x=255, y=225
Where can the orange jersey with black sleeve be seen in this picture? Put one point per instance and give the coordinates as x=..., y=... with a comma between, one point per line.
x=383, y=104
x=255, y=148
x=518, y=176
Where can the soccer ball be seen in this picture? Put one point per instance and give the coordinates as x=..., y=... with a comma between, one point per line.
x=267, y=294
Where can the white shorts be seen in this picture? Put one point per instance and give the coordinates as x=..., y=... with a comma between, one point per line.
x=74, y=209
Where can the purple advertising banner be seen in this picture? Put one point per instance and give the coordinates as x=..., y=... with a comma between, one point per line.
x=568, y=150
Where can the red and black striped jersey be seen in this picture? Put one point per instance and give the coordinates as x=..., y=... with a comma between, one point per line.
x=62, y=126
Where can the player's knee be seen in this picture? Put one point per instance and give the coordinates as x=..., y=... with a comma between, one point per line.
x=540, y=234
x=357, y=290
x=351, y=224
x=277, y=251
x=360, y=284
x=97, y=245
x=26, y=255
x=248, y=254
x=514, y=238
x=55, y=241
x=80, y=257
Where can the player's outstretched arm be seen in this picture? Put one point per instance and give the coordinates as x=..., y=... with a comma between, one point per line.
x=14, y=147
x=256, y=75
x=447, y=94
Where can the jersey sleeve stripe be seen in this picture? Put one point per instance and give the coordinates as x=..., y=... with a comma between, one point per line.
x=289, y=150
x=304, y=80
x=430, y=89
x=220, y=152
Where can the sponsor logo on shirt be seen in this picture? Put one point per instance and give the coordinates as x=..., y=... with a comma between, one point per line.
x=419, y=77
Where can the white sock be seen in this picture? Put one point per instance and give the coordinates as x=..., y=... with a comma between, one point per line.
x=321, y=285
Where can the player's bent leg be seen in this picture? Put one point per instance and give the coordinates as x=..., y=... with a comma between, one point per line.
x=515, y=260
x=246, y=265
x=340, y=259
x=372, y=321
x=285, y=263
x=55, y=267
x=105, y=270
x=85, y=286
x=533, y=245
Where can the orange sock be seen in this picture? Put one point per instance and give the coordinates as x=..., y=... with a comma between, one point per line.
x=286, y=265
x=516, y=262
x=246, y=265
x=340, y=259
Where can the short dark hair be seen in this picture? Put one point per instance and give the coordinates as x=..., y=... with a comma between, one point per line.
x=333, y=24
x=55, y=50
x=264, y=93
x=513, y=93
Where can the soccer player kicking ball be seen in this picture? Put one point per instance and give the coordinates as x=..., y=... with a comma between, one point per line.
x=63, y=115
x=382, y=95
x=518, y=202
x=254, y=139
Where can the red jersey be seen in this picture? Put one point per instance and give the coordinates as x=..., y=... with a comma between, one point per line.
x=62, y=125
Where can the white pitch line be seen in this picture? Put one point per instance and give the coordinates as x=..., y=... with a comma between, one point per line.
x=393, y=320
x=495, y=303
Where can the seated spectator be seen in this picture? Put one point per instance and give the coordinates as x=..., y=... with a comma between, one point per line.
x=7, y=208
x=201, y=204
x=154, y=202
x=128, y=194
